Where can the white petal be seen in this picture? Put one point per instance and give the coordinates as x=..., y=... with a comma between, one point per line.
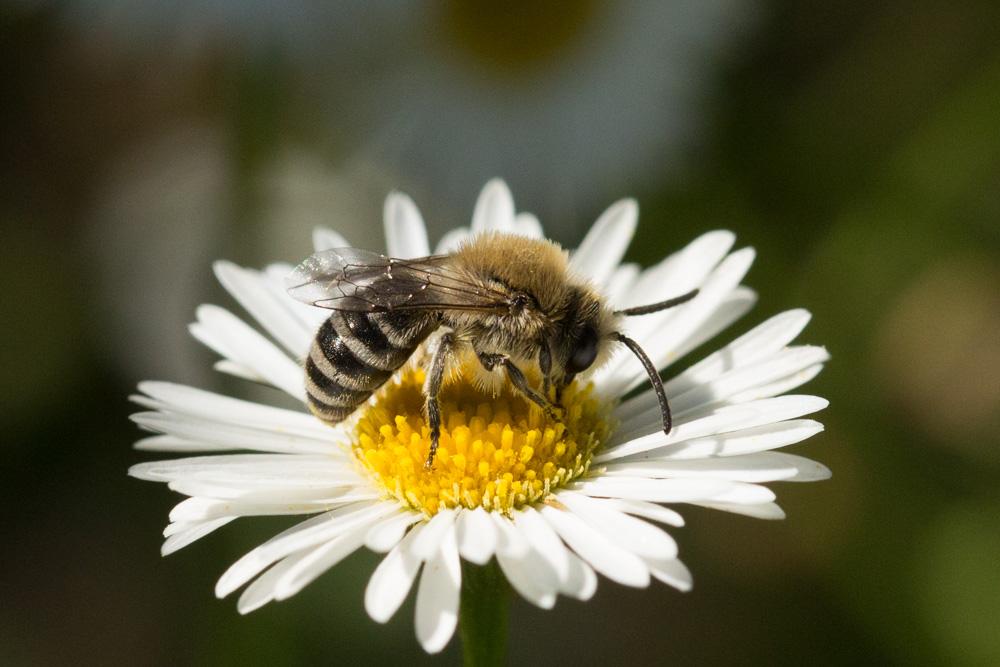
x=647, y=510
x=179, y=526
x=758, y=467
x=250, y=288
x=682, y=271
x=662, y=342
x=494, y=209
x=477, y=536
x=779, y=386
x=604, y=246
x=438, y=595
x=392, y=579
x=735, y=443
x=237, y=370
x=581, y=582
x=782, y=364
x=540, y=535
x=272, y=489
x=243, y=467
x=194, y=531
x=216, y=407
x=734, y=305
x=243, y=345
x=621, y=280
x=386, y=534
x=762, y=341
x=451, y=240
x=526, y=224
x=808, y=470
x=604, y=556
x=678, y=274
x=327, y=239
x=250, y=495
x=720, y=421
x=510, y=541
x=671, y=572
x=760, y=511
x=405, y=233
x=169, y=443
x=202, y=508
x=229, y=436
x=643, y=410
x=638, y=536
x=532, y=578
x=428, y=543
x=319, y=561
x=261, y=590
x=677, y=490
x=644, y=432
x=309, y=317
x=744, y=441
x=309, y=533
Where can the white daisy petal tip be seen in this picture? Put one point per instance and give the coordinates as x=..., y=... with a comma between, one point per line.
x=672, y=572
x=624, y=211
x=438, y=595
x=494, y=210
x=392, y=580
x=608, y=514
x=477, y=536
x=405, y=232
x=324, y=238
x=223, y=269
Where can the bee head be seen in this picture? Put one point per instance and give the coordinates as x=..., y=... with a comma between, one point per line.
x=582, y=335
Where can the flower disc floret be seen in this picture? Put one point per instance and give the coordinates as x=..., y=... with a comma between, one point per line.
x=498, y=452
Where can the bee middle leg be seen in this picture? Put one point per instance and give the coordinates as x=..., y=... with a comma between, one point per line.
x=491, y=360
x=432, y=387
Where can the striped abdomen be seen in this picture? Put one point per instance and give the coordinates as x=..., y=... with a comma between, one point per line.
x=355, y=353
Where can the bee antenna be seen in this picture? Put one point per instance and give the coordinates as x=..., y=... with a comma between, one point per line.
x=654, y=377
x=660, y=305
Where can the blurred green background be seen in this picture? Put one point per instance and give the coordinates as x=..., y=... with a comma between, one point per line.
x=856, y=145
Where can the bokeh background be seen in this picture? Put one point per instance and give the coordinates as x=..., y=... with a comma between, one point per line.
x=856, y=145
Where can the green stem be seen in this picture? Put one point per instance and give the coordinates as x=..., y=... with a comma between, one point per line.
x=484, y=614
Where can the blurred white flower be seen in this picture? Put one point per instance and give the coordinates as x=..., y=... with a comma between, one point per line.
x=571, y=100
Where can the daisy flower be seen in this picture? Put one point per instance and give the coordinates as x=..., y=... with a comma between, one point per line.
x=554, y=499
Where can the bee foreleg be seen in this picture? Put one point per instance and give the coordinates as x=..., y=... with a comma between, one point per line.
x=545, y=365
x=491, y=360
x=566, y=381
x=432, y=387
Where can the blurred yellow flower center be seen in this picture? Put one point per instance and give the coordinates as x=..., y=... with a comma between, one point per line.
x=496, y=452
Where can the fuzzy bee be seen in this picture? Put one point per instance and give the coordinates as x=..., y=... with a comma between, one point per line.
x=508, y=300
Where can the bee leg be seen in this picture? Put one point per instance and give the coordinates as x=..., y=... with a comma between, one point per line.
x=567, y=381
x=545, y=365
x=517, y=378
x=432, y=387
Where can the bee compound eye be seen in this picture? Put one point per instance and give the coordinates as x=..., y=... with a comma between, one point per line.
x=584, y=352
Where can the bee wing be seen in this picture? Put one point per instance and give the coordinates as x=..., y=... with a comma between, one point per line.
x=361, y=280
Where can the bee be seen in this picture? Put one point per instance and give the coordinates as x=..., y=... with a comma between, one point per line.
x=510, y=301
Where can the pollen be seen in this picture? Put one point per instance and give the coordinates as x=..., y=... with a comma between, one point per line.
x=499, y=452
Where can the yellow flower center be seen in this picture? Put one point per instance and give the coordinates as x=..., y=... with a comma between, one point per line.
x=497, y=452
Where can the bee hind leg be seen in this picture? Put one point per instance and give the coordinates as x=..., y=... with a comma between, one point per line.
x=432, y=387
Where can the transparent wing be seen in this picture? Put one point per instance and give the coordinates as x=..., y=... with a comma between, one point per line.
x=361, y=280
